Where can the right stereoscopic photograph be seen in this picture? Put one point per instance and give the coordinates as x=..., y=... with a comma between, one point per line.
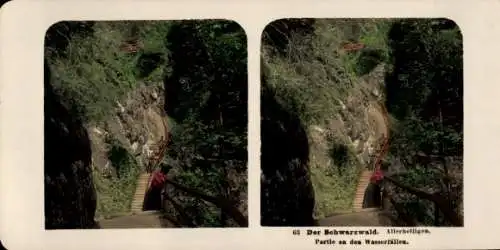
x=362, y=123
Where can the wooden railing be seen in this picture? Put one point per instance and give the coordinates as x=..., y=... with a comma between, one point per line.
x=441, y=203
x=226, y=206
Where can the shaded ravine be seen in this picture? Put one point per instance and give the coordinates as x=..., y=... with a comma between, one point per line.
x=366, y=209
x=70, y=198
x=147, y=208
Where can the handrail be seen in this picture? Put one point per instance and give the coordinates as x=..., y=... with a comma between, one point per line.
x=399, y=209
x=441, y=202
x=225, y=205
x=177, y=206
x=162, y=148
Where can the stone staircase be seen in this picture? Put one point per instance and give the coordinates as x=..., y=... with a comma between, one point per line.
x=364, y=180
x=137, y=218
x=359, y=216
x=140, y=192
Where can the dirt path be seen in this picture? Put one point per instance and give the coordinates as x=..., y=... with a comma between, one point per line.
x=152, y=219
x=366, y=217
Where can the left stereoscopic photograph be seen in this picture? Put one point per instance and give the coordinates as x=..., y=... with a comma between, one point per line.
x=145, y=124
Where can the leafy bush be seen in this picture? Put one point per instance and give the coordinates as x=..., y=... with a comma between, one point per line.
x=425, y=93
x=208, y=94
x=116, y=191
x=91, y=70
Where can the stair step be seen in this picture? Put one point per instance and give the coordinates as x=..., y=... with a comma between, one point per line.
x=141, y=187
x=363, y=182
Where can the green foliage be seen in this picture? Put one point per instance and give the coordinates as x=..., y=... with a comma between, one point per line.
x=425, y=93
x=116, y=191
x=94, y=71
x=425, y=90
x=209, y=139
x=315, y=73
x=373, y=35
x=124, y=163
x=420, y=176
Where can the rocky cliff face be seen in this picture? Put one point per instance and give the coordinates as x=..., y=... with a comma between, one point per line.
x=70, y=197
x=124, y=143
x=77, y=155
x=138, y=123
x=348, y=143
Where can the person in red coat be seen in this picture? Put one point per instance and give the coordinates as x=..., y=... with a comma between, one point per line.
x=373, y=193
x=157, y=179
x=377, y=177
x=153, y=199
